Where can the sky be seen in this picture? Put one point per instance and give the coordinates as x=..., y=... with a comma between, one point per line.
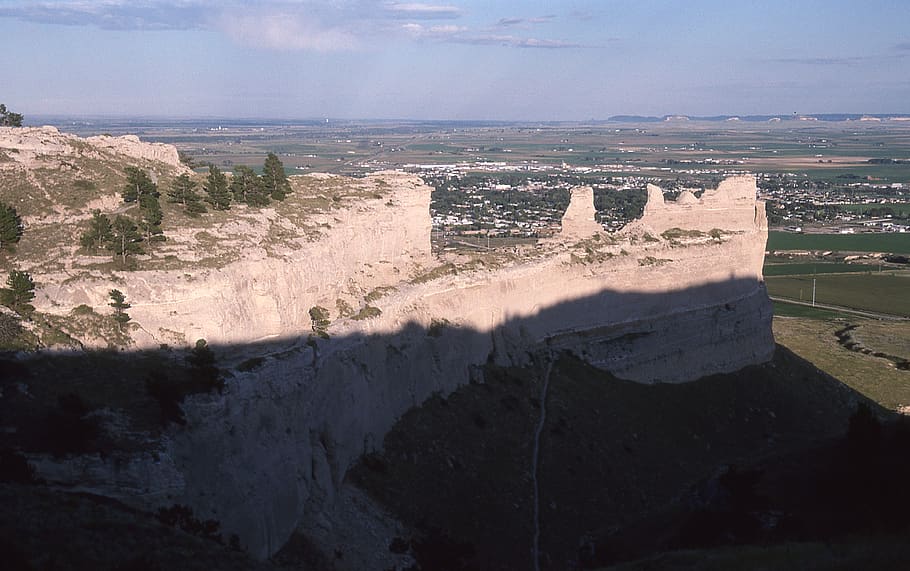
x=453, y=59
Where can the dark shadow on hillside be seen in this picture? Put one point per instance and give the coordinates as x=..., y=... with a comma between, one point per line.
x=457, y=468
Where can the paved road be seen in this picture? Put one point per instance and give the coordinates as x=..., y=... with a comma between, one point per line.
x=871, y=314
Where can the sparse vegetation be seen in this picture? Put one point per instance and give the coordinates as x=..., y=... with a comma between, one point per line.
x=319, y=318
x=378, y=293
x=677, y=233
x=437, y=326
x=343, y=308
x=367, y=312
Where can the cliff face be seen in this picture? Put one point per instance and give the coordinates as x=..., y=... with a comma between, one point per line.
x=675, y=296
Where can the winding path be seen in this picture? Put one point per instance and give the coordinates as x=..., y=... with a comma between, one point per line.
x=535, y=462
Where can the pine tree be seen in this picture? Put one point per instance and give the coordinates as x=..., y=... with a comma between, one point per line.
x=247, y=187
x=125, y=239
x=138, y=184
x=140, y=188
x=274, y=179
x=8, y=118
x=118, y=302
x=216, y=187
x=151, y=218
x=19, y=292
x=99, y=233
x=203, y=371
x=182, y=187
x=10, y=226
x=183, y=191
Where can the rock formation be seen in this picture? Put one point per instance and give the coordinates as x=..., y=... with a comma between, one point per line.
x=579, y=220
x=675, y=296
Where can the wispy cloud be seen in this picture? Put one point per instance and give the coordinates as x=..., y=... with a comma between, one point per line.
x=309, y=25
x=514, y=41
x=286, y=32
x=838, y=61
x=461, y=35
x=419, y=10
x=903, y=46
x=112, y=14
x=508, y=22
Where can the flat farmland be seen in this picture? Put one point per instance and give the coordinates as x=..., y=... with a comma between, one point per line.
x=895, y=243
x=885, y=292
x=659, y=149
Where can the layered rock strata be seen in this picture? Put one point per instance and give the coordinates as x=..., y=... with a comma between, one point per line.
x=675, y=296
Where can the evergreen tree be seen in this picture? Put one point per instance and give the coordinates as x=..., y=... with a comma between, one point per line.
x=125, y=239
x=140, y=188
x=246, y=186
x=118, y=302
x=10, y=226
x=19, y=291
x=195, y=207
x=274, y=179
x=151, y=219
x=203, y=371
x=183, y=191
x=8, y=118
x=99, y=233
x=216, y=187
x=138, y=184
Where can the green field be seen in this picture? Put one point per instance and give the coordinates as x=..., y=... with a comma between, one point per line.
x=892, y=242
x=782, y=309
x=810, y=268
x=887, y=292
x=900, y=209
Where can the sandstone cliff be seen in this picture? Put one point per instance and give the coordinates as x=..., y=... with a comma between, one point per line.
x=675, y=296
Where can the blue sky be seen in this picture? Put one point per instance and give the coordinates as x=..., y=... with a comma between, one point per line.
x=453, y=59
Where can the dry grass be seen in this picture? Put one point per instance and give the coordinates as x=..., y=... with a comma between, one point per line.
x=874, y=377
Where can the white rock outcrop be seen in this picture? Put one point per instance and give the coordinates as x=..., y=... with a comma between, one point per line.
x=273, y=450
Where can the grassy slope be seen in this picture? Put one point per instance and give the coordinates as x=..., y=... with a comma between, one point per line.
x=874, y=377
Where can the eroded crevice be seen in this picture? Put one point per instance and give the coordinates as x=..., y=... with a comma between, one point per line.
x=847, y=341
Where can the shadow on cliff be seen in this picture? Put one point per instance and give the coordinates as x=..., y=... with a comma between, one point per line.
x=447, y=420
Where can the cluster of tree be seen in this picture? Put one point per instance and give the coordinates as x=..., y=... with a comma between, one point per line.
x=8, y=118
x=183, y=191
x=121, y=237
x=246, y=186
x=140, y=188
x=10, y=226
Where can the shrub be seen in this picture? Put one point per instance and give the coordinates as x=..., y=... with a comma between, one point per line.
x=367, y=312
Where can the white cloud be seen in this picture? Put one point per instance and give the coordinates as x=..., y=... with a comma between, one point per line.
x=285, y=32
x=306, y=25
x=421, y=10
